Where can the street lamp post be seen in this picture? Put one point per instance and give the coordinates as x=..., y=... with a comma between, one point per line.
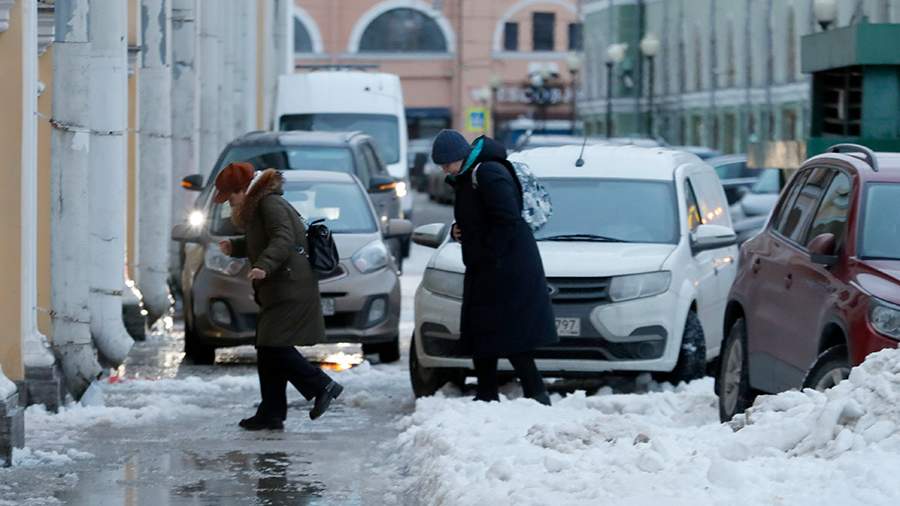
x=574, y=63
x=825, y=12
x=615, y=53
x=650, y=47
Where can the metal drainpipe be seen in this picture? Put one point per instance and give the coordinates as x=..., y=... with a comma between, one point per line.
x=107, y=177
x=71, y=142
x=155, y=169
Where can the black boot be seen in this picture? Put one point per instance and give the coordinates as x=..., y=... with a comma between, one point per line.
x=257, y=422
x=323, y=400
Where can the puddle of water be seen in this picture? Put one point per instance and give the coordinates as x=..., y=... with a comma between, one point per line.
x=195, y=477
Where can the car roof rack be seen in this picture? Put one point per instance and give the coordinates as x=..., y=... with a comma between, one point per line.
x=856, y=148
x=337, y=66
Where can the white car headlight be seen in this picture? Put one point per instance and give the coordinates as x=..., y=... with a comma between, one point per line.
x=371, y=257
x=885, y=317
x=637, y=286
x=196, y=219
x=401, y=189
x=220, y=262
x=448, y=284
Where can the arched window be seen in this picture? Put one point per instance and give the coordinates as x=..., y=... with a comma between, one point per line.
x=302, y=40
x=791, y=33
x=403, y=30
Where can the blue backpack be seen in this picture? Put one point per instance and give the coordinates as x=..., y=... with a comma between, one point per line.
x=537, y=208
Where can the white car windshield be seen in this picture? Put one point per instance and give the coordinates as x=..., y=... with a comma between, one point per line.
x=611, y=210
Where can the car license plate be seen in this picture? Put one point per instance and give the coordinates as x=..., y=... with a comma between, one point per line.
x=568, y=327
x=328, y=307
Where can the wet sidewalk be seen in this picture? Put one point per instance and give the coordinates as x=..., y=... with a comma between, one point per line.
x=167, y=434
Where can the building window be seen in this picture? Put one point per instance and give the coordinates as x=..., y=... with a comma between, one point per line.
x=789, y=124
x=403, y=30
x=511, y=37
x=542, y=28
x=698, y=60
x=731, y=57
x=792, y=70
x=302, y=40
x=576, y=37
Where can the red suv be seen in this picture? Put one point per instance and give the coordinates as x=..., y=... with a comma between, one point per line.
x=819, y=288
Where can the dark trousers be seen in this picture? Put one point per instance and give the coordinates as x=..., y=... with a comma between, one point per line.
x=523, y=363
x=277, y=367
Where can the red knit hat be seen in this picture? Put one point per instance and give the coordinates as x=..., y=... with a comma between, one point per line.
x=235, y=177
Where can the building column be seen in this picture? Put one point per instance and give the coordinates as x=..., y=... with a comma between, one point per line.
x=69, y=197
x=108, y=176
x=155, y=165
x=18, y=43
x=226, y=11
x=43, y=375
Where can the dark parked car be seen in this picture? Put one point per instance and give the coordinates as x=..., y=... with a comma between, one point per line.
x=352, y=153
x=819, y=288
x=736, y=177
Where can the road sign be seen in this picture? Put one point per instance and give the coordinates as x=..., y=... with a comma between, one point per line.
x=478, y=119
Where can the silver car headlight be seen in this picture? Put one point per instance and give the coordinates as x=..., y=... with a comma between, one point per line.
x=885, y=317
x=371, y=257
x=637, y=286
x=448, y=284
x=220, y=262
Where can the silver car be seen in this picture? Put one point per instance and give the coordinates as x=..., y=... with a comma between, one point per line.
x=360, y=299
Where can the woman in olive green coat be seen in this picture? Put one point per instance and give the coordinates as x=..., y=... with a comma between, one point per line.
x=286, y=289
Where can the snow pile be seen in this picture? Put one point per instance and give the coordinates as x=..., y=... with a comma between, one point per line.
x=138, y=402
x=7, y=387
x=666, y=447
x=861, y=411
x=27, y=457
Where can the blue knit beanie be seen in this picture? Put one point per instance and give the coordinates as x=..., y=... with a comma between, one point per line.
x=449, y=146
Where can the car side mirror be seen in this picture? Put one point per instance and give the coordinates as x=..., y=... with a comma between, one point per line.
x=382, y=184
x=397, y=228
x=708, y=237
x=193, y=183
x=431, y=235
x=822, y=250
x=184, y=232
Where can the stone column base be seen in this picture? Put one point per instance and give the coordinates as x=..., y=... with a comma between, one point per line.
x=45, y=386
x=12, y=428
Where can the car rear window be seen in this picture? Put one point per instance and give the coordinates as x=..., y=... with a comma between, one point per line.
x=881, y=227
x=326, y=158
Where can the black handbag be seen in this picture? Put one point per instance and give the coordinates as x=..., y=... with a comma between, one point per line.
x=323, y=254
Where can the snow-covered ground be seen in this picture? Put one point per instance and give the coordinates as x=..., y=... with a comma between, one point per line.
x=840, y=447
x=166, y=431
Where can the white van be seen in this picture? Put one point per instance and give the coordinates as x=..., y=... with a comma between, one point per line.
x=350, y=100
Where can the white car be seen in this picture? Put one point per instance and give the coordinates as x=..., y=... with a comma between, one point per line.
x=639, y=256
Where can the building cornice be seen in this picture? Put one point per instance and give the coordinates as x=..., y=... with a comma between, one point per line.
x=5, y=7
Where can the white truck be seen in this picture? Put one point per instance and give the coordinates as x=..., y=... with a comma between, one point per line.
x=338, y=100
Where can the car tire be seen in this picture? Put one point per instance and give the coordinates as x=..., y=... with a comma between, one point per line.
x=691, y=363
x=390, y=352
x=196, y=351
x=426, y=381
x=831, y=368
x=733, y=378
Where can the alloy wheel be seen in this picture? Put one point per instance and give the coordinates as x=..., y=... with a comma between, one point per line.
x=734, y=364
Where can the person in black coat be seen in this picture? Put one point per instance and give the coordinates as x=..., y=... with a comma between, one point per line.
x=506, y=310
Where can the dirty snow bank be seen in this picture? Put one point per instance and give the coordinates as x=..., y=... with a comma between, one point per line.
x=841, y=447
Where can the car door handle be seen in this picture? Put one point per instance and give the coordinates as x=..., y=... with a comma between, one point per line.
x=788, y=280
x=756, y=263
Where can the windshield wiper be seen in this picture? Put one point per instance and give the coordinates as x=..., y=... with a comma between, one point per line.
x=581, y=237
